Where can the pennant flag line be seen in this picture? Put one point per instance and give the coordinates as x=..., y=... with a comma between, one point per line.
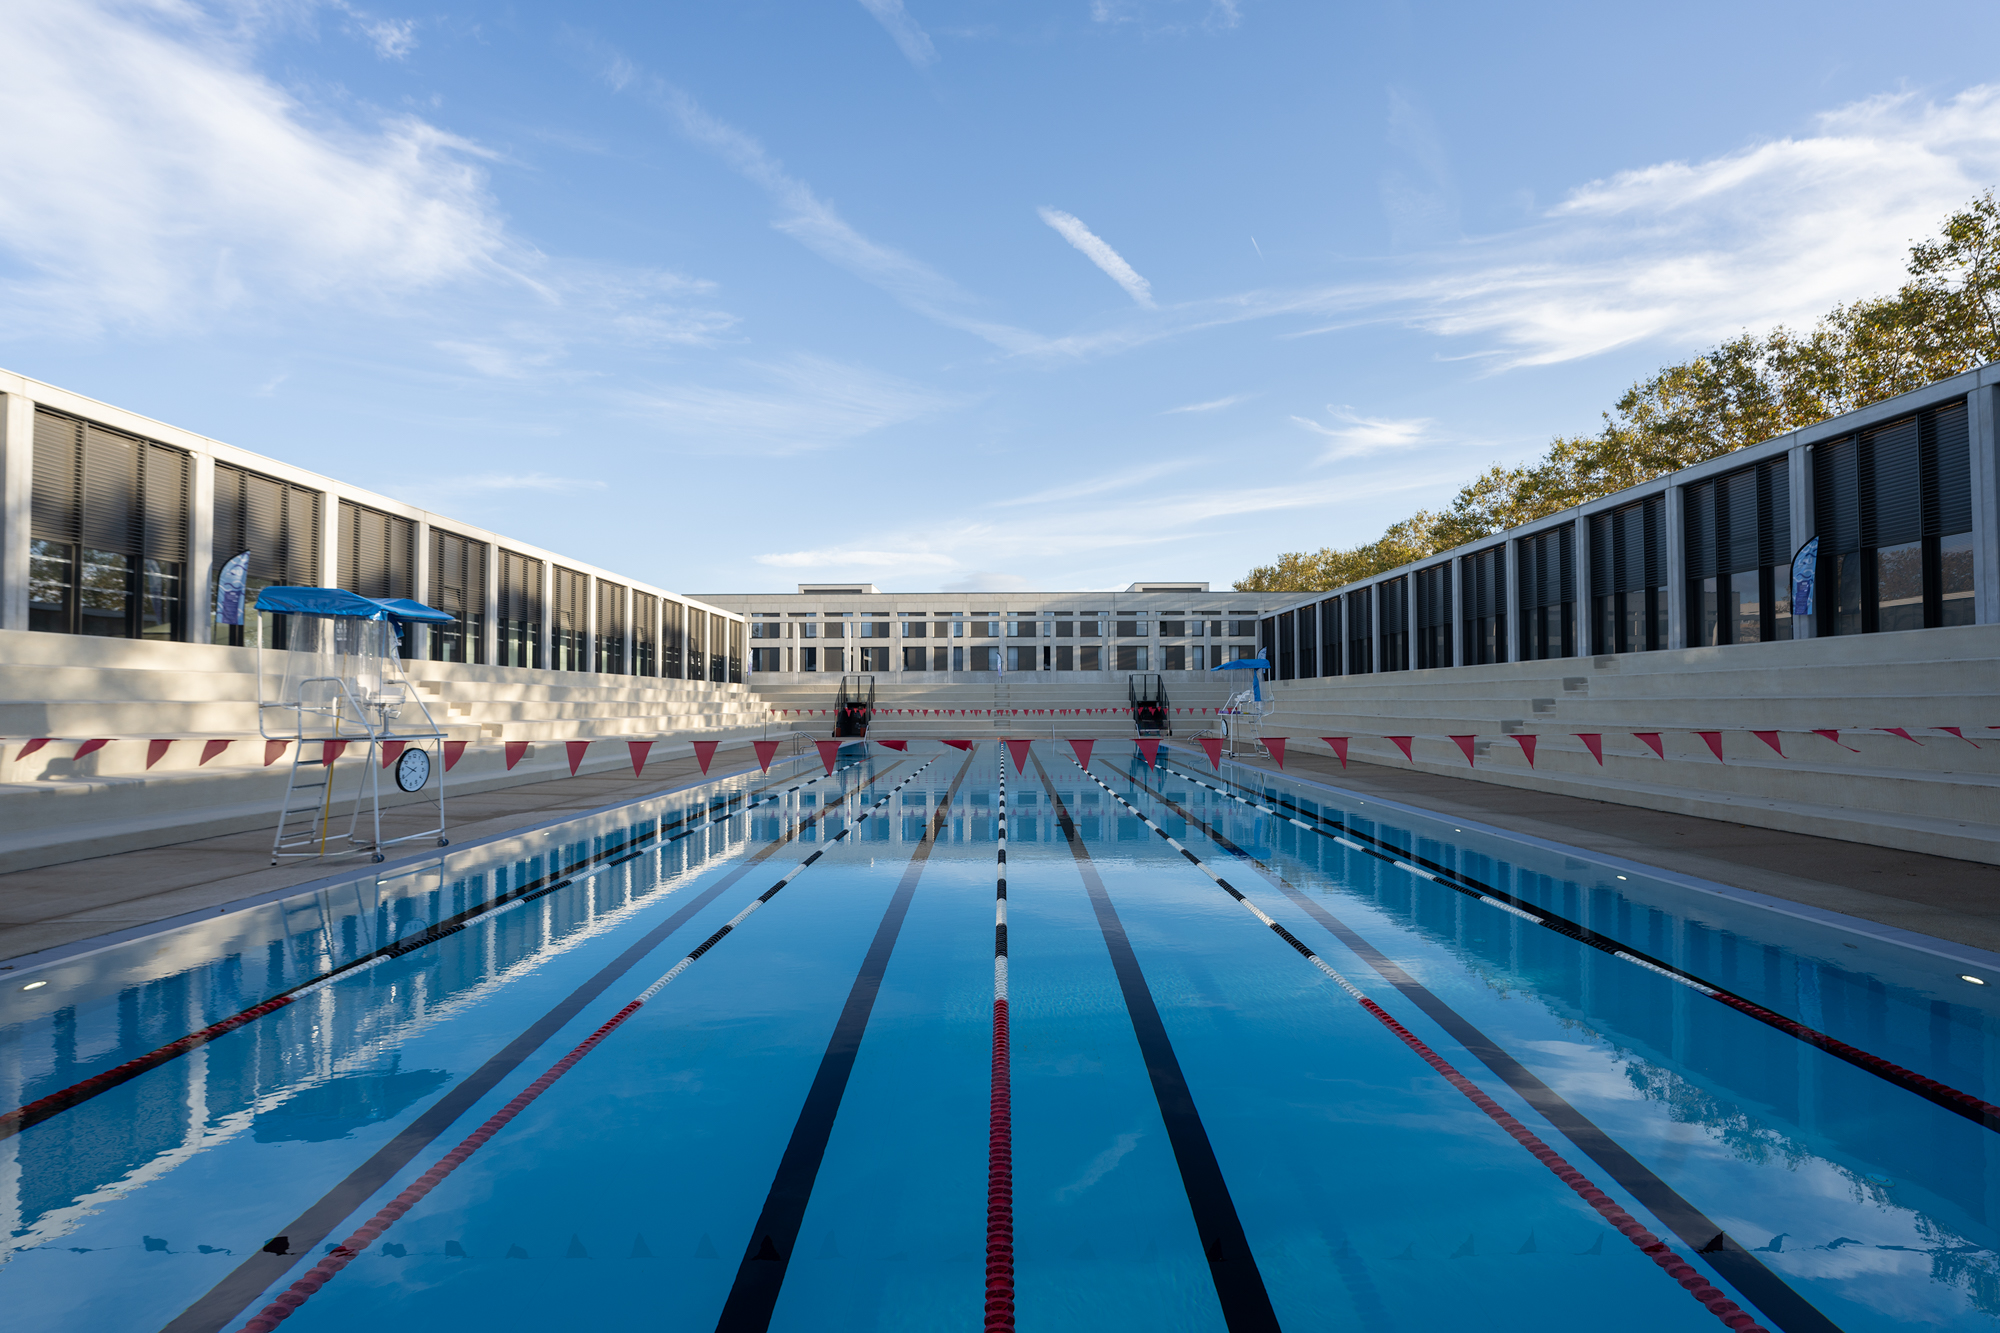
x=1276, y=745
x=576, y=749
x=156, y=750
x=515, y=749
x=704, y=754
x=828, y=752
x=1212, y=746
x=640, y=749
x=1527, y=746
x=453, y=752
x=392, y=751
x=1465, y=744
x=1082, y=749
x=766, y=750
x=1339, y=744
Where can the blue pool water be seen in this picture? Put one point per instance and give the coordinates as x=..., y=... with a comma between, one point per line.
x=1368, y=1191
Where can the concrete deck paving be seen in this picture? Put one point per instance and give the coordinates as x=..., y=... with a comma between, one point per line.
x=51, y=906
x=54, y=906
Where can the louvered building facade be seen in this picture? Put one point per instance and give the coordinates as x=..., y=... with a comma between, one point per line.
x=113, y=525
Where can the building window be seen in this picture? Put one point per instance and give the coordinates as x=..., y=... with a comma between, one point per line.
x=521, y=616
x=1547, y=575
x=914, y=629
x=766, y=659
x=1196, y=654
x=1894, y=512
x=458, y=586
x=1483, y=605
x=957, y=659
x=1307, y=629
x=1433, y=627
x=1089, y=658
x=1395, y=594
x=1173, y=657
x=1329, y=637
x=1283, y=660
x=571, y=638
x=1175, y=629
x=278, y=526
x=1131, y=629
x=1023, y=659
x=720, y=666
x=875, y=659
x=1738, y=535
x=609, y=640
x=1361, y=632
x=1242, y=629
x=645, y=634
x=1065, y=629
x=1133, y=657
x=913, y=659
x=985, y=658
x=672, y=639
x=808, y=659
x=1628, y=576
x=108, y=532
x=1065, y=657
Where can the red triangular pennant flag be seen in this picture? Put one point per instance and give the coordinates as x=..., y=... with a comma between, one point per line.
x=1464, y=743
x=32, y=746
x=1403, y=744
x=1893, y=731
x=640, y=749
x=1593, y=741
x=1082, y=749
x=828, y=752
x=515, y=749
x=1339, y=744
x=576, y=749
x=1652, y=739
x=1960, y=734
x=765, y=751
x=91, y=747
x=453, y=752
x=272, y=749
x=210, y=749
x=330, y=751
x=704, y=752
x=1714, y=739
x=1276, y=745
x=1212, y=745
x=392, y=751
x=1770, y=738
x=1151, y=750
x=1527, y=742
x=962, y=745
x=1833, y=736
x=157, y=750
x=894, y=745
x=1019, y=752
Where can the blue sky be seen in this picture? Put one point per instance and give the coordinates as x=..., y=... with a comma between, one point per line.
x=946, y=295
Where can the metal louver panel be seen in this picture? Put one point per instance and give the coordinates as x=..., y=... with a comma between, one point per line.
x=1891, y=485
x=1837, y=494
x=166, y=474
x=111, y=512
x=57, y=509
x=1951, y=447
x=378, y=555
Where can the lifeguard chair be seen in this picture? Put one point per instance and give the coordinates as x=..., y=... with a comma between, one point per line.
x=340, y=681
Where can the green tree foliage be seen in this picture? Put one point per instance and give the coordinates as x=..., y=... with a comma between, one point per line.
x=1944, y=320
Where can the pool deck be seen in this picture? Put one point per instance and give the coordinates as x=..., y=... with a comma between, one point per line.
x=52, y=907
x=1932, y=895
x=49, y=907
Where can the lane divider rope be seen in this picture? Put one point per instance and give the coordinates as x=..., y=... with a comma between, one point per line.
x=1000, y=1110
x=63, y=1099
x=282, y=1306
x=1690, y=1278
x=1956, y=1100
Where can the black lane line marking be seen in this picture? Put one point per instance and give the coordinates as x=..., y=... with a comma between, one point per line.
x=227, y=1298
x=1239, y=1285
x=1955, y=1100
x=1771, y=1293
x=55, y=1103
x=754, y=1294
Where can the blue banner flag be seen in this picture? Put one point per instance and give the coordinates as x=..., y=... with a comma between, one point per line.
x=1805, y=566
x=229, y=591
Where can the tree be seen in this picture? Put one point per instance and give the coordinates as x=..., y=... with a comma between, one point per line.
x=1944, y=321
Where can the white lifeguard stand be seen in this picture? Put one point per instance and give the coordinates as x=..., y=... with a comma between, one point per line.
x=1242, y=717
x=340, y=680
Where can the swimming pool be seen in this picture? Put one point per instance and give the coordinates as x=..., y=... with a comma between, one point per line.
x=1278, y=1056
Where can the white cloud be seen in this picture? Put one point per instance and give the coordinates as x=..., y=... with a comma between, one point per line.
x=804, y=403
x=1212, y=405
x=1354, y=435
x=914, y=43
x=527, y=481
x=153, y=179
x=1108, y=482
x=1071, y=229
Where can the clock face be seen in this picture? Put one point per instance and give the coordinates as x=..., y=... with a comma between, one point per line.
x=413, y=770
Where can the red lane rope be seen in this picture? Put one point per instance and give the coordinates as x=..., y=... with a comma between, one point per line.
x=1000, y=1112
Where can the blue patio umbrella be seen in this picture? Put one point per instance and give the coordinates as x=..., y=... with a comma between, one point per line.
x=1247, y=664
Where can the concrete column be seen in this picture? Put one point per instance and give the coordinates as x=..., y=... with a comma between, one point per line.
x=629, y=658
x=1674, y=536
x=1579, y=590
x=1455, y=618
x=1804, y=518
x=1983, y=417
x=590, y=624
x=17, y=497
x=420, y=587
x=330, y=539
x=545, y=650
x=1410, y=618
x=1375, y=627
x=1510, y=602
x=489, y=637
x=198, y=591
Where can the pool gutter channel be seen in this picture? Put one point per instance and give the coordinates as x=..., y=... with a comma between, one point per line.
x=55, y=1103
x=224, y=1301
x=1958, y=1102
x=1780, y=1302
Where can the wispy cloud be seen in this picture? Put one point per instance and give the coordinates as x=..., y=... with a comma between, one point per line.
x=526, y=481
x=1354, y=435
x=842, y=557
x=1109, y=482
x=393, y=39
x=1093, y=247
x=914, y=43
x=1212, y=405
x=782, y=407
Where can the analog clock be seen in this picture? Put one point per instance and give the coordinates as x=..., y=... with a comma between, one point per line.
x=413, y=770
